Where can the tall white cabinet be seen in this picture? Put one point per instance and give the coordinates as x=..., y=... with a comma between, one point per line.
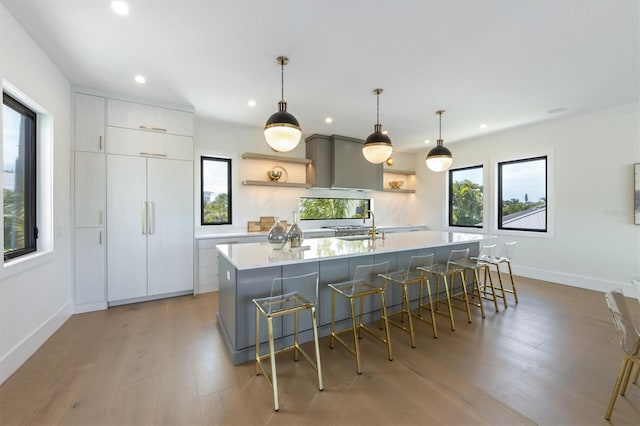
x=133, y=201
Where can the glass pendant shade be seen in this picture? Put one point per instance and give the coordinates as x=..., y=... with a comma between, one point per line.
x=377, y=148
x=282, y=130
x=439, y=158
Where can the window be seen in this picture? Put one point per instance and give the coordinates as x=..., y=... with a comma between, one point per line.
x=19, y=178
x=466, y=197
x=215, y=191
x=522, y=194
x=334, y=208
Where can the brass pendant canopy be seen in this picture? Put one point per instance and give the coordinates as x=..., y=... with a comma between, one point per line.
x=282, y=130
x=377, y=147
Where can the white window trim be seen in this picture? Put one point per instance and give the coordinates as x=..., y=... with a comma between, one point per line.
x=44, y=187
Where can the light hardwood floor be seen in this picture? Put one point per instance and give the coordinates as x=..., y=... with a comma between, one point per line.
x=552, y=359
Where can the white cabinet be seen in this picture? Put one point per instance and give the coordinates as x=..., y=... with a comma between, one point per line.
x=89, y=266
x=150, y=228
x=88, y=129
x=90, y=189
x=137, y=116
x=134, y=142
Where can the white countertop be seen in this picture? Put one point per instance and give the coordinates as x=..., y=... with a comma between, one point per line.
x=258, y=255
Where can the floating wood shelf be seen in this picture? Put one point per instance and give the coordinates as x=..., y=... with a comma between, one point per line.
x=268, y=183
x=399, y=172
x=256, y=156
x=405, y=191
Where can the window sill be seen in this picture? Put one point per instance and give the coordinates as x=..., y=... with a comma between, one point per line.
x=23, y=263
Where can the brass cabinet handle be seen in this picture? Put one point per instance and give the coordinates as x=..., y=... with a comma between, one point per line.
x=153, y=154
x=158, y=129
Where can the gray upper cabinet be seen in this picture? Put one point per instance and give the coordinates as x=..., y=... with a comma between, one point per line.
x=337, y=162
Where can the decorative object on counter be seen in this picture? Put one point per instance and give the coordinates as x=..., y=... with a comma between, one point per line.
x=439, y=158
x=282, y=130
x=277, y=236
x=295, y=234
x=389, y=161
x=278, y=174
x=253, y=226
x=377, y=148
x=396, y=184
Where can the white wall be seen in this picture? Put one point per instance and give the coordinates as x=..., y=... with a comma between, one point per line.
x=250, y=202
x=595, y=243
x=36, y=301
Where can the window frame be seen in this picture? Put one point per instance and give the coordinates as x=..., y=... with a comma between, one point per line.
x=203, y=159
x=450, y=197
x=31, y=181
x=499, y=216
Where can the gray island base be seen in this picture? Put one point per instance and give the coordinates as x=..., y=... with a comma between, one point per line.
x=246, y=271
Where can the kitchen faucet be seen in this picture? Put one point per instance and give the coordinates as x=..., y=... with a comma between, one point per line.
x=372, y=232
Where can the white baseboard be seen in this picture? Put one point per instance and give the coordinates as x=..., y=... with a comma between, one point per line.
x=206, y=288
x=11, y=361
x=89, y=307
x=574, y=280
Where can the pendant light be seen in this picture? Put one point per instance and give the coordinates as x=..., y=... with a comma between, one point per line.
x=282, y=130
x=377, y=148
x=439, y=158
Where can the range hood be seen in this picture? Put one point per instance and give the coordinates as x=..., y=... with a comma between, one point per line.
x=337, y=162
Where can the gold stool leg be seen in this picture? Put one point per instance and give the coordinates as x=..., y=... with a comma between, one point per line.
x=446, y=292
x=333, y=316
x=295, y=336
x=257, y=342
x=513, y=284
x=433, y=314
x=405, y=299
x=356, y=336
x=476, y=288
x=466, y=296
x=625, y=382
x=504, y=296
x=616, y=388
x=360, y=316
x=315, y=338
x=272, y=352
x=635, y=379
x=487, y=273
x=386, y=325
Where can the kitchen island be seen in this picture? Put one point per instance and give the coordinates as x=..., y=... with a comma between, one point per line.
x=246, y=271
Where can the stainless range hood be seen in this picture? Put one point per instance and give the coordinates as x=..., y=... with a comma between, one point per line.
x=337, y=162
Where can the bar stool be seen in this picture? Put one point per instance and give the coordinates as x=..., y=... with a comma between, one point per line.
x=367, y=281
x=288, y=296
x=411, y=276
x=443, y=271
x=484, y=290
x=506, y=254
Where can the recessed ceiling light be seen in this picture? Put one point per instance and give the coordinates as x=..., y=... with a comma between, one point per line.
x=120, y=7
x=328, y=120
x=556, y=110
x=140, y=79
x=384, y=132
x=251, y=103
x=427, y=141
x=483, y=126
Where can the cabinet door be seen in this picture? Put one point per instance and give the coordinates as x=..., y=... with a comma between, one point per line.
x=89, y=266
x=132, y=115
x=126, y=227
x=90, y=188
x=140, y=143
x=170, y=242
x=89, y=122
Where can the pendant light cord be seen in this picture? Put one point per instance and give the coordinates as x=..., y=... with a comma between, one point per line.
x=378, y=108
x=440, y=127
x=282, y=80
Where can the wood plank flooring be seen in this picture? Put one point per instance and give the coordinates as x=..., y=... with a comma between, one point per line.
x=552, y=360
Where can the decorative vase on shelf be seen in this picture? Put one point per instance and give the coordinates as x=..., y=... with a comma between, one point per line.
x=277, y=236
x=295, y=234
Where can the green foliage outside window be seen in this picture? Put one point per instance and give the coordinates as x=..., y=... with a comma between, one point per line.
x=217, y=211
x=333, y=208
x=466, y=203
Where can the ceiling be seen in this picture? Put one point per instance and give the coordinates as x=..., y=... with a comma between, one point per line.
x=502, y=63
